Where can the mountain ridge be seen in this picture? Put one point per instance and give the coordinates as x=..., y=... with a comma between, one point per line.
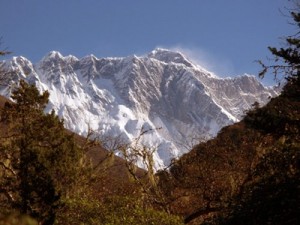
x=121, y=96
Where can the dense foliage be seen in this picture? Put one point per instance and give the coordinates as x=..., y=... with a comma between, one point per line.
x=40, y=163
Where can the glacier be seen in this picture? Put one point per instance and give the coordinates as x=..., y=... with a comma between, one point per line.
x=120, y=97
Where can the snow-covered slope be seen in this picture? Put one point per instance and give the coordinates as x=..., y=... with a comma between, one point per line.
x=120, y=96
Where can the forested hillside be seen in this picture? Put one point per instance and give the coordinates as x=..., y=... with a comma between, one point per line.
x=249, y=172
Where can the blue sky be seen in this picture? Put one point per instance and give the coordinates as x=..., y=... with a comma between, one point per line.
x=225, y=36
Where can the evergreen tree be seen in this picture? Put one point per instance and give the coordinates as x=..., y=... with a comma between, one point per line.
x=287, y=59
x=40, y=164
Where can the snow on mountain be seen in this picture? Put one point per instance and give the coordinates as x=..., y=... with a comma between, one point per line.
x=120, y=96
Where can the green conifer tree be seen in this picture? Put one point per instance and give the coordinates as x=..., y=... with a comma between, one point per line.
x=39, y=162
x=287, y=58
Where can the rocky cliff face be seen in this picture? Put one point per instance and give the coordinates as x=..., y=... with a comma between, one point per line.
x=121, y=96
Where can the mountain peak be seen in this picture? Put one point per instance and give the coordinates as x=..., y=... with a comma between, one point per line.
x=54, y=54
x=169, y=56
x=18, y=59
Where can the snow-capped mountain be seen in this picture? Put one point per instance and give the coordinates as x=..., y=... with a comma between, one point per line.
x=121, y=96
